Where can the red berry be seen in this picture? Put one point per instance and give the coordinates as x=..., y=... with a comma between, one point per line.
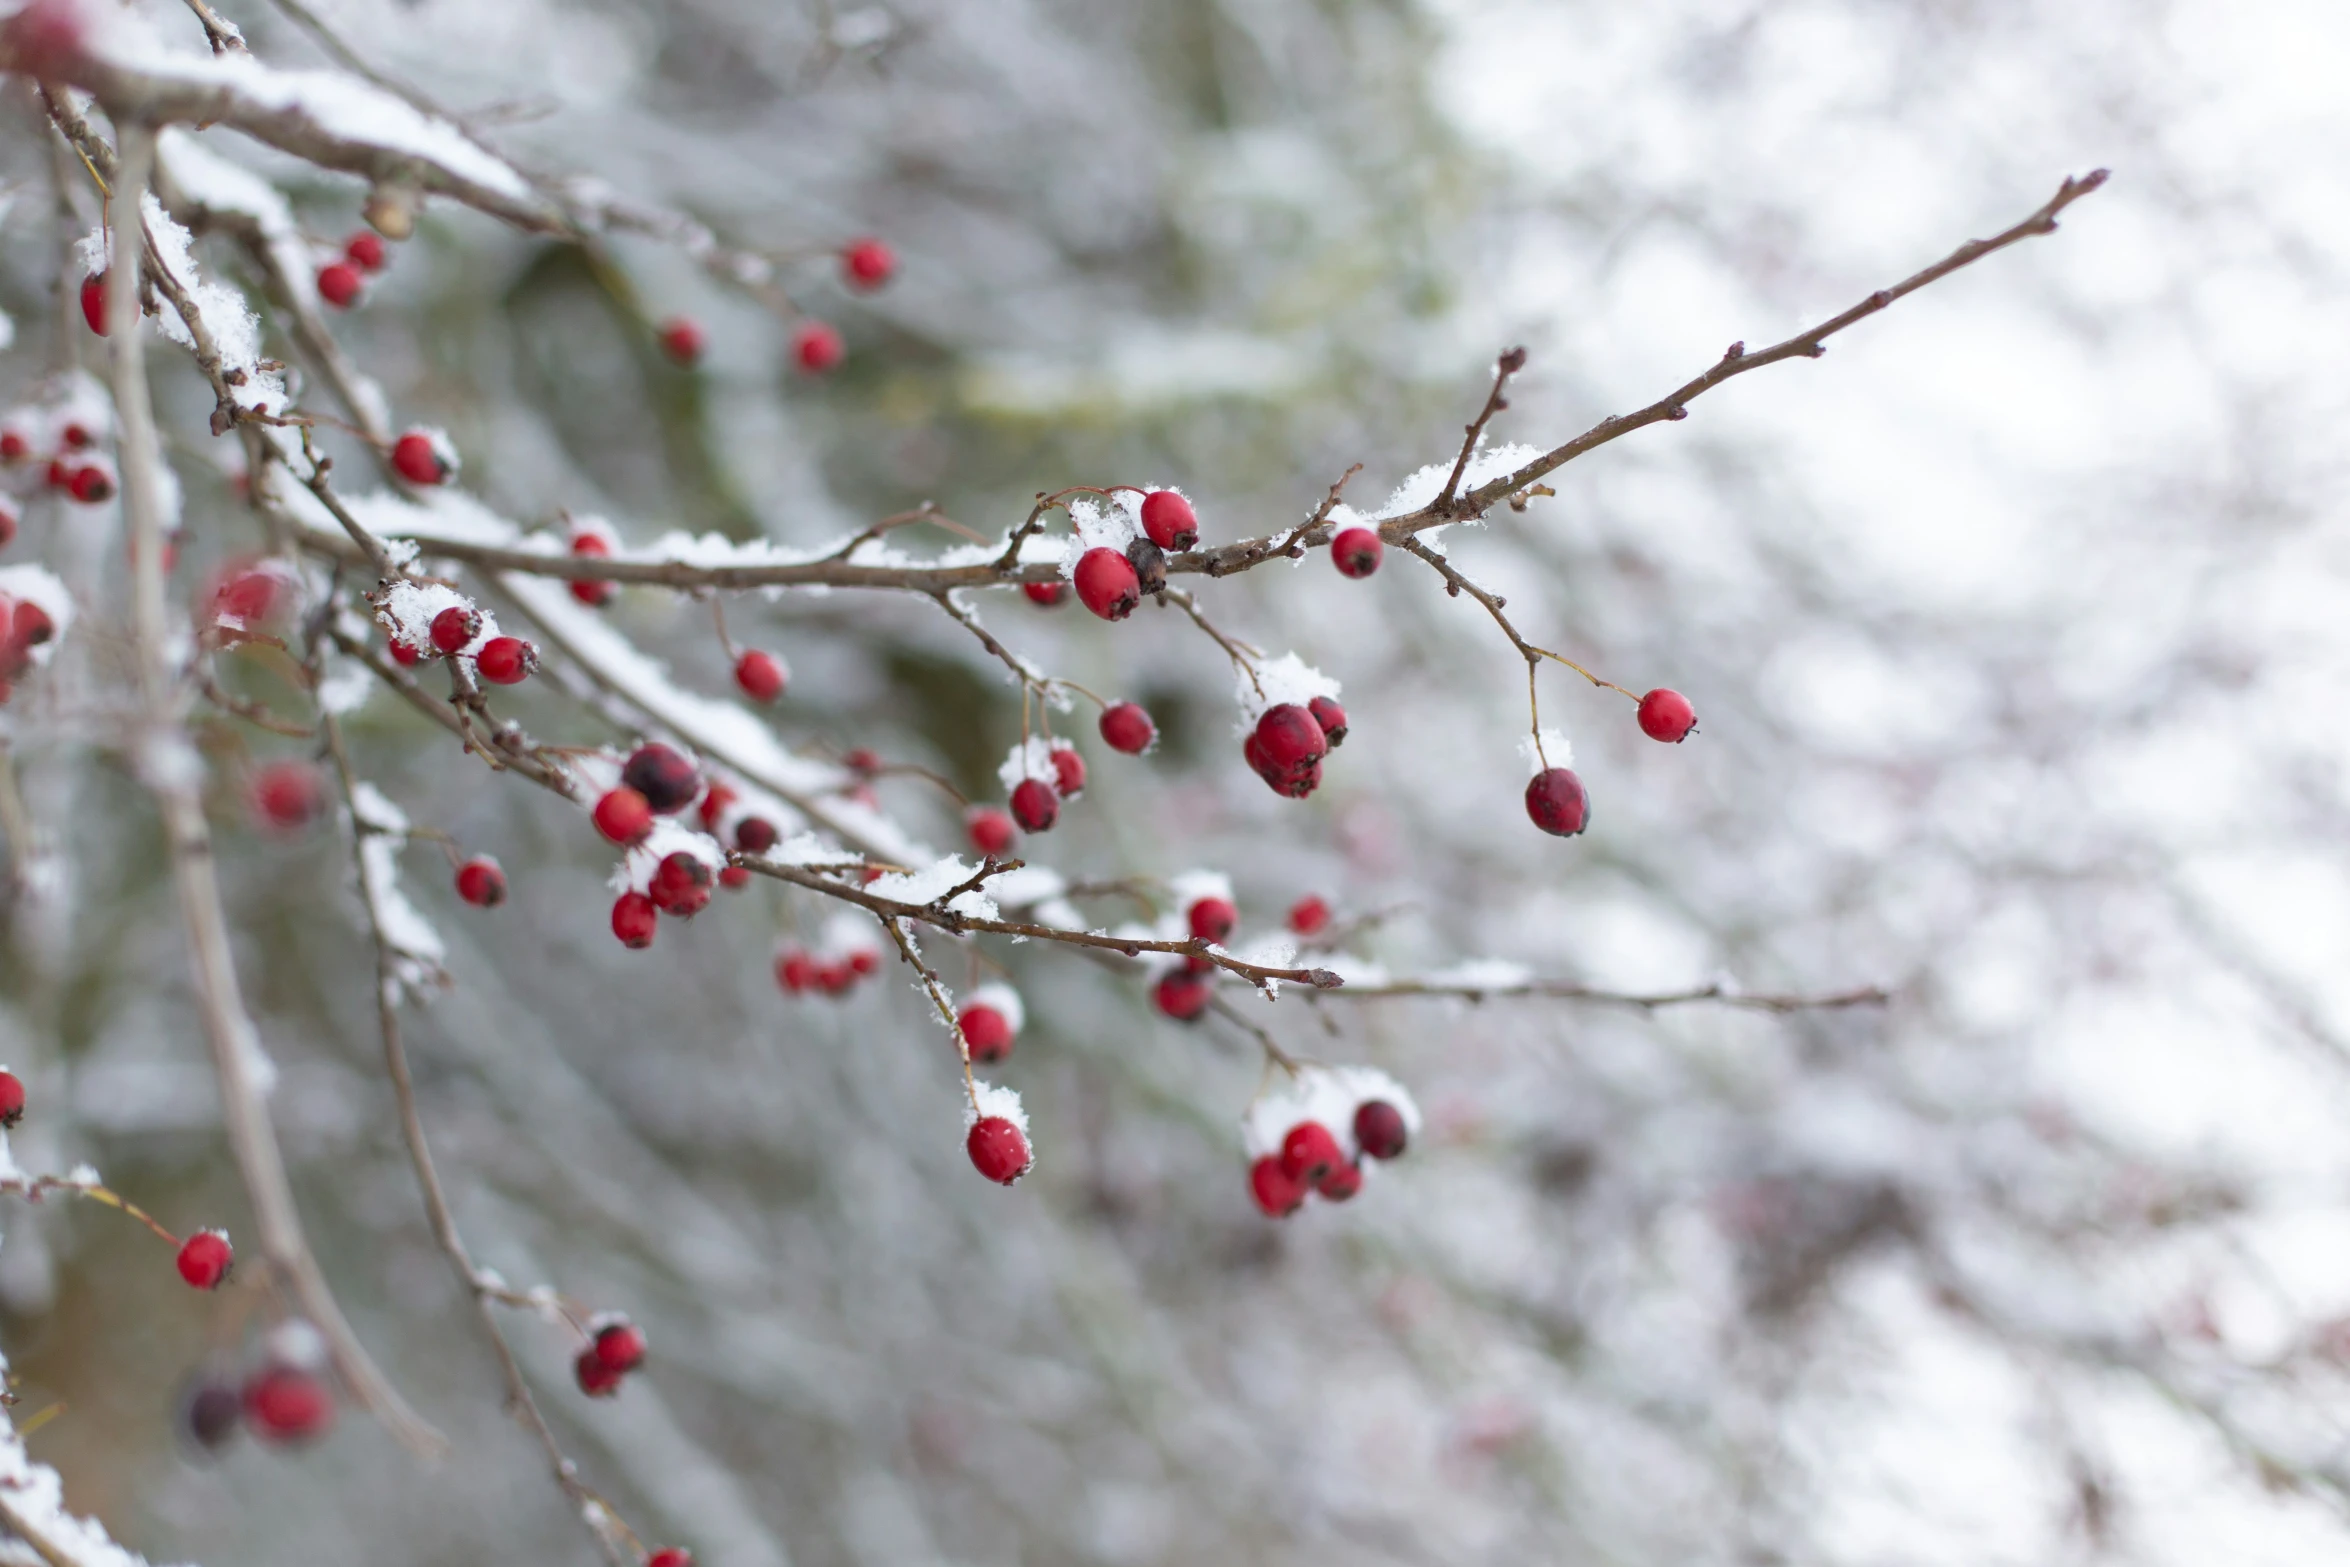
x=734, y=878
x=338, y=284
x=835, y=979
x=1181, y=995
x=7, y=525
x=1343, y=1181
x=1667, y=716
x=1168, y=518
x=1309, y=1152
x=817, y=347
x=1356, y=552
x=680, y=885
x=681, y=340
x=1331, y=717
x=864, y=961
x=868, y=264
x=670, y=1556
x=1286, y=749
x=11, y=1098
x=75, y=437
x=204, y=1259
x=1212, y=919
x=1277, y=1192
x=506, y=661
x=91, y=484
x=365, y=250
x=455, y=627
x=1046, y=593
x=417, y=458
x=861, y=761
x=633, y=920
x=1107, y=583
x=248, y=596
x=715, y=800
x=593, y=594
x=990, y=829
x=481, y=883
x=761, y=675
x=287, y=795
x=1557, y=803
x=1309, y=915
x=287, y=1404
x=1380, y=1128
x=1034, y=805
x=795, y=971
x=667, y=780
x=13, y=446
x=620, y=1346
x=987, y=1033
x=755, y=835
x=94, y=302
x=998, y=1149
x=595, y=1379
x=1126, y=727
x=1068, y=771
x=622, y=815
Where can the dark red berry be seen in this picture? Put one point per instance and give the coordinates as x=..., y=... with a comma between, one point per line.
x=998, y=1149
x=864, y=961
x=1309, y=915
x=287, y=1404
x=1556, y=802
x=1068, y=771
x=633, y=920
x=1150, y=566
x=990, y=829
x=1289, y=736
x=667, y=779
x=620, y=1346
x=404, y=655
x=868, y=264
x=1126, y=727
x=1213, y=919
x=91, y=485
x=755, y=835
x=365, y=250
x=287, y=795
x=338, y=284
x=681, y=340
x=987, y=1033
x=593, y=594
x=204, y=1259
x=681, y=885
x=1181, y=995
x=1277, y=1192
x=1331, y=717
x=1667, y=716
x=817, y=347
x=596, y=1379
x=1046, y=593
x=1356, y=552
x=1168, y=518
x=1309, y=1152
x=11, y=1098
x=7, y=525
x=761, y=675
x=1107, y=584
x=211, y=1413
x=417, y=458
x=1343, y=1181
x=623, y=816
x=506, y=661
x=453, y=628
x=94, y=302
x=1034, y=805
x=1380, y=1128
x=481, y=883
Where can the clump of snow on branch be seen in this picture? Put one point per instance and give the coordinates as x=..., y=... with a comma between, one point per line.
x=1278, y=680
x=1097, y=528
x=32, y=1507
x=408, y=608
x=1486, y=464
x=848, y=933
x=416, y=946
x=1188, y=887
x=925, y=886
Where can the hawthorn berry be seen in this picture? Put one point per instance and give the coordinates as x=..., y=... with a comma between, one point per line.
x=76, y=437
x=864, y=961
x=990, y=829
x=1556, y=802
x=7, y=525
x=14, y=448
x=286, y=795
x=835, y=979
x=670, y=1556
x=91, y=484
x=620, y=1346
x=795, y=971
x=1213, y=919
x=817, y=347
x=1046, y=593
x=1034, y=805
x=622, y=815
x=287, y=1404
x=1150, y=565
x=761, y=675
x=681, y=340
x=365, y=251
x=246, y=596
x=1126, y=727
x=418, y=458
x=1381, y=1129
x=1168, y=518
x=987, y=1033
x=454, y=628
x=680, y=885
x=1286, y=749
x=755, y=835
x=715, y=800
x=595, y=1379
x=1277, y=1192
x=1310, y=915
x=11, y=1098
x=1331, y=717
x=94, y=302
x=338, y=284
x=506, y=661
x=667, y=780
x=1343, y=1181
x=595, y=595
x=404, y=655
x=1181, y=995
x=1356, y=552
x=211, y=1413
x=1107, y=584
x=1667, y=716
x=861, y=761
x=204, y=1259
x=1309, y=1152
x=867, y=264
x=998, y=1149
x=1068, y=771
x=481, y=883
x=633, y=920
x=734, y=878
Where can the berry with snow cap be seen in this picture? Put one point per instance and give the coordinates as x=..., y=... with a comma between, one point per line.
x=1667, y=715
x=755, y=835
x=455, y=627
x=1356, y=552
x=204, y=1259
x=1381, y=1130
x=338, y=284
x=506, y=661
x=1278, y=1193
x=1046, y=593
x=595, y=595
x=623, y=815
x=94, y=301
x=1331, y=717
x=1107, y=584
x=1127, y=727
x=12, y=1098
x=596, y=1379
x=1557, y=803
x=990, y=1021
x=867, y=264
x=481, y=883
x=681, y=885
x=668, y=780
x=761, y=675
x=91, y=484
x=998, y=1149
x=681, y=340
x=817, y=347
x=1212, y=919
x=420, y=458
x=990, y=829
x=633, y=920
x=1169, y=520
x=1286, y=750
x=1034, y=805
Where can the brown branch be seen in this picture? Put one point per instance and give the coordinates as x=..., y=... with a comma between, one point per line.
x=223, y=36
x=1456, y=583
x=1508, y=365
x=525, y=759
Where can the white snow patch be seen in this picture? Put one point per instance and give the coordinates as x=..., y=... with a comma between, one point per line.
x=1486, y=464
x=417, y=949
x=990, y=1099
x=1555, y=745
x=668, y=836
x=1287, y=679
x=1029, y=758
x=409, y=607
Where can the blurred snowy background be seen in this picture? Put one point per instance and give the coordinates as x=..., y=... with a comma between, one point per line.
x=2018, y=627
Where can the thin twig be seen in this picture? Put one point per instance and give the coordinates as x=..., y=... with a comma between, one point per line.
x=1563, y=990
x=1508, y=365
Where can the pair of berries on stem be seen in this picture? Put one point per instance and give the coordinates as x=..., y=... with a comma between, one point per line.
x=1556, y=800
x=284, y=1399
x=502, y=660
x=342, y=280
x=615, y=1347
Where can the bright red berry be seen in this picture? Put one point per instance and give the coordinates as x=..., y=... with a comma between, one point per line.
x=1277, y=1192
x=1034, y=805
x=453, y=628
x=761, y=675
x=990, y=829
x=864, y=961
x=998, y=1149
x=835, y=979
x=1310, y=915
x=1556, y=802
x=1356, y=552
x=670, y=1556
x=248, y=596
x=633, y=920
x=715, y=800
x=1046, y=593
x=734, y=878
x=1309, y=1152
x=1168, y=518
x=14, y=447
x=1667, y=716
x=91, y=484
x=620, y=1346
x=94, y=302
x=506, y=661
x=795, y=971
x=1126, y=727
x=681, y=885
x=1213, y=919
x=404, y=655
x=987, y=1033
x=593, y=594
x=1381, y=1129
x=1068, y=772
x=622, y=815
x=1181, y=995
x=1286, y=749
x=1331, y=717
x=287, y=1404
x=204, y=1259
x=416, y=457
x=287, y=795
x=595, y=1379
x=817, y=347
x=365, y=250
x=11, y=1098
x=338, y=284
x=868, y=264
x=76, y=437
x=681, y=340
x=1107, y=583
x=755, y=835
x=1343, y=1181
x=481, y=883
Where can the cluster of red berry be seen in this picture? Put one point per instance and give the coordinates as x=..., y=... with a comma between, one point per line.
x=458, y=631
x=76, y=467
x=283, y=1397
x=615, y=1347
x=1556, y=800
x=342, y=280
x=848, y=953
x=1312, y=1137
x=1290, y=740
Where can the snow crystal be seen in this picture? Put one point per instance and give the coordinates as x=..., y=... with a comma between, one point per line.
x=36, y=1497
x=990, y=1099
x=409, y=607
x=1114, y=528
x=1004, y=999
x=1284, y=679
x=1555, y=746
x=925, y=885
x=1486, y=464
x=39, y=585
x=1030, y=758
